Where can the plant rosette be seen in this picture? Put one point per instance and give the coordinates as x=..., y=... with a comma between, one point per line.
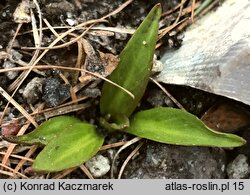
x=69, y=142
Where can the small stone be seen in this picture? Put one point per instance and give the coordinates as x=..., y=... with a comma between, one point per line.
x=157, y=66
x=239, y=168
x=15, y=55
x=70, y=19
x=93, y=93
x=98, y=165
x=156, y=98
x=226, y=116
x=10, y=74
x=3, y=81
x=54, y=9
x=33, y=90
x=55, y=92
x=21, y=14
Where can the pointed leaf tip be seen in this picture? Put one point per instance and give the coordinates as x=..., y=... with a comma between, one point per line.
x=174, y=126
x=133, y=70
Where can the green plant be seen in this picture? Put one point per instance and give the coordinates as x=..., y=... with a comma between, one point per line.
x=69, y=142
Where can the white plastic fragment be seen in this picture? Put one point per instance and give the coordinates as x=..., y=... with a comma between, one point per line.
x=215, y=55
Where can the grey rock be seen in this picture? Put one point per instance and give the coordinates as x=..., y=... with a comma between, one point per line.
x=15, y=55
x=55, y=92
x=98, y=165
x=156, y=98
x=238, y=168
x=10, y=74
x=162, y=161
x=33, y=90
x=53, y=9
x=157, y=66
x=92, y=92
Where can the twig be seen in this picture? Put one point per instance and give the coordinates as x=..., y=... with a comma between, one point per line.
x=192, y=10
x=180, y=12
x=51, y=29
x=128, y=158
x=202, y=6
x=21, y=132
x=19, y=157
x=18, y=106
x=121, y=7
x=68, y=68
x=66, y=109
x=26, y=73
x=27, y=155
x=12, y=146
x=64, y=173
x=86, y=171
x=134, y=140
x=11, y=174
x=208, y=7
x=13, y=40
x=164, y=31
x=172, y=10
x=48, y=110
x=40, y=20
x=113, y=145
x=168, y=94
x=101, y=28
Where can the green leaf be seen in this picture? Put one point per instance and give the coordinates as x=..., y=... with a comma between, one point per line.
x=133, y=70
x=174, y=126
x=71, y=148
x=45, y=132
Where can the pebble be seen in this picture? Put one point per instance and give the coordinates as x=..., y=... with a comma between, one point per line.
x=226, y=117
x=156, y=98
x=238, y=168
x=33, y=90
x=98, y=165
x=55, y=92
x=157, y=66
x=10, y=74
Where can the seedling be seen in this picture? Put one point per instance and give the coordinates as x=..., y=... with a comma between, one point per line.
x=69, y=142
